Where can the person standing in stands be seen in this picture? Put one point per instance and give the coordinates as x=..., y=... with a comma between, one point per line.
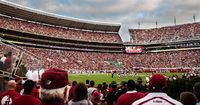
x=130, y=96
x=157, y=96
x=71, y=90
x=87, y=83
x=35, y=92
x=196, y=91
x=27, y=98
x=91, y=89
x=80, y=96
x=111, y=94
x=96, y=95
x=19, y=86
x=139, y=86
x=188, y=98
x=53, y=89
x=3, y=58
x=121, y=90
x=7, y=97
x=8, y=62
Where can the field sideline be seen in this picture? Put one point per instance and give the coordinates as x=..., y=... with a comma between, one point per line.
x=100, y=78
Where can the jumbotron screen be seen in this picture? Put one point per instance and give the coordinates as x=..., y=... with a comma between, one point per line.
x=134, y=49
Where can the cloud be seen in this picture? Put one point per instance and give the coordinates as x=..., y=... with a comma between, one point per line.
x=126, y=12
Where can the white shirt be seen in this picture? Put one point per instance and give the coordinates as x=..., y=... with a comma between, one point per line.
x=90, y=90
x=3, y=59
x=29, y=75
x=157, y=98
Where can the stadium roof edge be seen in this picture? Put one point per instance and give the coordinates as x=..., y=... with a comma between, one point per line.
x=19, y=11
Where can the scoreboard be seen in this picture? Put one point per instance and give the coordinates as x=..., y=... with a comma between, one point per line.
x=134, y=49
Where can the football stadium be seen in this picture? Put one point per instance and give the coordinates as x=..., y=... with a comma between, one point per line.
x=76, y=53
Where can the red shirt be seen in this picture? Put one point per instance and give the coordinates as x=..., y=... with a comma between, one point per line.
x=97, y=95
x=7, y=63
x=8, y=97
x=26, y=100
x=35, y=93
x=129, y=98
x=71, y=91
x=18, y=88
x=53, y=102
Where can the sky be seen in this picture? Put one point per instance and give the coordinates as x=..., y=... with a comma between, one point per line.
x=129, y=13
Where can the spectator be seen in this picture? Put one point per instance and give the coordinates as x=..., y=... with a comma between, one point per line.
x=130, y=96
x=3, y=58
x=71, y=90
x=35, y=92
x=111, y=94
x=7, y=97
x=19, y=86
x=80, y=96
x=53, y=89
x=91, y=89
x=157, y=85
x=27, y=98
x=8, y=62
x=96, y=96
x=122, y=90
x=139, y=86
x=104, y=91
x=196, y=90
x=87, y=83
x=188, y=98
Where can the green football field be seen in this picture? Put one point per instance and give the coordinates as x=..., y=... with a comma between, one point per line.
x=100, y=78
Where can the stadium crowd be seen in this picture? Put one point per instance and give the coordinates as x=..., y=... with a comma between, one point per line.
x=54, y=88
x=77, y=60
x=166, y=34
x=59, y=32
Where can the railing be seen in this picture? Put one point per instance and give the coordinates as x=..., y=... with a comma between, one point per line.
x=20, y=52
x=5, y=74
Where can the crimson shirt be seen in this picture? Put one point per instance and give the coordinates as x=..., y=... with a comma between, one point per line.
x=8, y=97
x=71, y=91
x=35, y=93
x=18, y=88
x=97, y=95
x=7, y=63
x=129, y=97
x=53, y=102
x=26, y=100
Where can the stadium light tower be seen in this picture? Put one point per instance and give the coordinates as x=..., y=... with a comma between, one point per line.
x=174, y=20
x=194, y=18
x=156, y=23
x=138, y=25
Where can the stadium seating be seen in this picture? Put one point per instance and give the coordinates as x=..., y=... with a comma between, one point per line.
x=166, y=34
x=76, y=60
x=55, y=31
